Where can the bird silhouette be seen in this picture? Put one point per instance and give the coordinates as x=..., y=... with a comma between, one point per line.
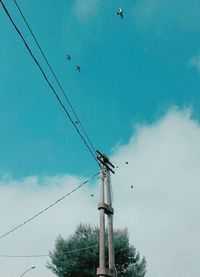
x=78, y=68
x=68, y=57
x=120, y=13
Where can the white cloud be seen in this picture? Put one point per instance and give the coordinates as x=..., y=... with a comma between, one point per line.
x=161, y=212
x=161, y=14
x=21, y=199
x=195, y=62
x=85, y=8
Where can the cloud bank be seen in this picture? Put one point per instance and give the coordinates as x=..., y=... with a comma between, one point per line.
x=161, y=211
x=164, y=163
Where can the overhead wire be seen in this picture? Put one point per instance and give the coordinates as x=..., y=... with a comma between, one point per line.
x=47, y=255
x=47, y=80
x=47, y=208
x=54, y=74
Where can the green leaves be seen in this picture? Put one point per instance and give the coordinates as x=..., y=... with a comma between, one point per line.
x=79, y=254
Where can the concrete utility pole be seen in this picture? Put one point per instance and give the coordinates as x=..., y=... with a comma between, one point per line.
x=105, y=208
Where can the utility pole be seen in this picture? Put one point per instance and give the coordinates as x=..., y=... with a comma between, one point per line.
x=105, y=208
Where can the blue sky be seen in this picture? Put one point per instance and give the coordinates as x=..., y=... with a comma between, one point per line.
x=133, y=70
x=137, y=95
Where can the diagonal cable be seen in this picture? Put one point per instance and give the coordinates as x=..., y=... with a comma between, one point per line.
x=54, y=74
x=47, y=208
x=47, y=80
x=47, y=255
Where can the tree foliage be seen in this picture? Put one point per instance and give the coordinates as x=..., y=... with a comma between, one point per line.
x=67, y=262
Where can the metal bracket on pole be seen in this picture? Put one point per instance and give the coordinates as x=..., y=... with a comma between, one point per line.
x=104, y=272
x=108, y=209
x=105, y=161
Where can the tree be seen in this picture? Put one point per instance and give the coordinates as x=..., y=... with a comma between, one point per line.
x=78, y=255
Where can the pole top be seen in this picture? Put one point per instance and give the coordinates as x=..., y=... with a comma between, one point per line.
x=105, y=161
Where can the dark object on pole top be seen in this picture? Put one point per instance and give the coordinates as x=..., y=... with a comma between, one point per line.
x=105, y=160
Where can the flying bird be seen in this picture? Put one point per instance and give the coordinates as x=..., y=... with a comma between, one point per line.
x=78, y=68
x=92, y=195
x=126, y=162
x=131, y=186
x=120, y=13
x=68, y=57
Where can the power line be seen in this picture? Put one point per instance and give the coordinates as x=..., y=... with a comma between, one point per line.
x=47, y=255
x=47, y=80
x=47, y=208
x=54, y=74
